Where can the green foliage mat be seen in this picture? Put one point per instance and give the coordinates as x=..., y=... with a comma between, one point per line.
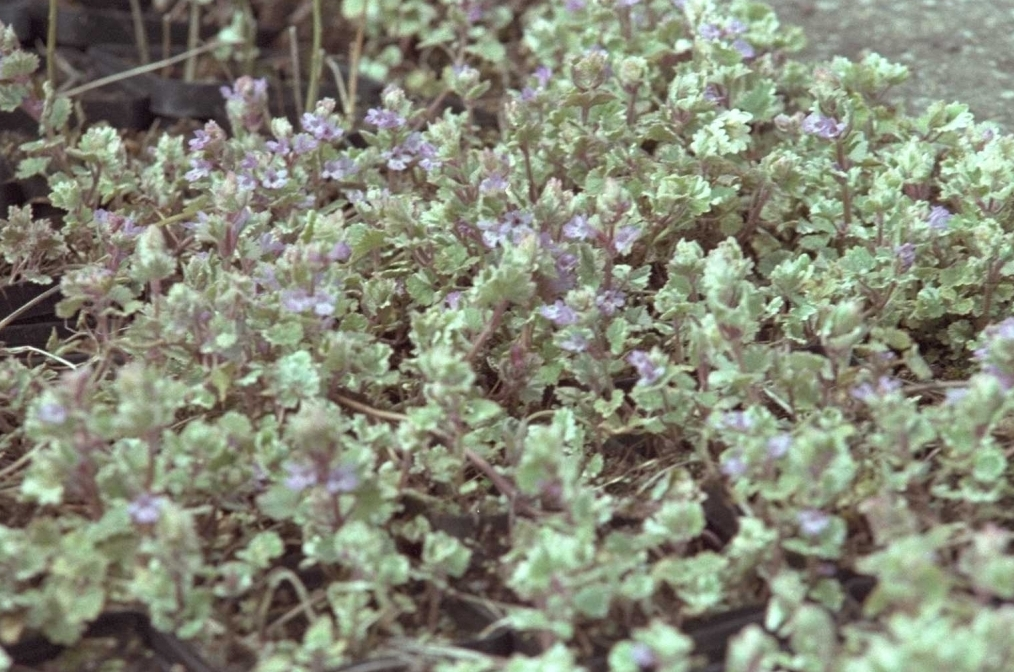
x=700, y=358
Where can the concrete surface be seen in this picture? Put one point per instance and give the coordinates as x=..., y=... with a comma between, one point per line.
x=955, y=49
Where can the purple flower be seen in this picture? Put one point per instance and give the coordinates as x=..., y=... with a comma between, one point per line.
x=453, y=300
x=778, y=445
x=938, y=218
x=564, y=281
x=249, y=160
x=129, y=227
x=340, y=252
x=300, y=476
x=812, y=522
x=542, y=75
x=246, y=182
x=710, y=31
x=424, y=151
x=1003, y=331
x=863, y=392
x=578, y=228
x=397, y=160
x=559, y=314
x=824, y=127
x=643, y=656
x=513, y=226
x=610, y=301
x=320, y=127
x=465, y=73
x=518, y=219
x=713, y=94
x=206, y=137
x=246, y=89
x=304, y=143
x=198, y=168
x=384, y=118
x=995, y=353
x=735, y=27
x=574, y=342
x=200, y=140
x=323, y=304
x=475, y=12
x=624, y=239
x=566, y=262
x=737, y=421
x=297, y=300
x=313, y=123
x=415, y=144
x=280, y=146
x=493, y=232
x=146, y=508
x=269, y=245
x=574, y=5
x=117, y=223
x=202, y=220
x=52, y=413
x=648, y=371
x=733, y=466
x=495, y=182
x=955, y=395
x=905, y=253
x=867, y=392
x=339, y=169
x=342, y=479
x=1005, y=379
x=429, y=164
x=744, y=48
x=275, y=178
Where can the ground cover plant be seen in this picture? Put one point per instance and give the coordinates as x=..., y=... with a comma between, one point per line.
x=692, y=329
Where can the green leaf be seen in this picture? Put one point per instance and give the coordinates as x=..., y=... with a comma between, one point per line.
x=152, y=261
x=18, y=64
x=478, y=412
x=31, y=166
x=760, y=101
x=490, y=50
x=729, y=133
x=279, y=502
x=592, y=601
x=363, y=239
x=262, y=549
x=616, y=334
x=446, y=554
x=296, y=377
x=284, y=334
x=419, y=286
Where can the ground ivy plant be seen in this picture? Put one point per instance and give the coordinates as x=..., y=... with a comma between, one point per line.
x=680, y=261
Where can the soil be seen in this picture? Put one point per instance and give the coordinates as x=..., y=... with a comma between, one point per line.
x=956, y=50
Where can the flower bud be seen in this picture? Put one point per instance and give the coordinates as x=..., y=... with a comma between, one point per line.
x=393, y=98
x=631, y=71
x=591, y=70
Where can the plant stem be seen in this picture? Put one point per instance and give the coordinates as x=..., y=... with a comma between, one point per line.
x=297, y=73
x=140, y=33
x=316, y=59
x=51, y=46
x=190, y=70
x=140, y=70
